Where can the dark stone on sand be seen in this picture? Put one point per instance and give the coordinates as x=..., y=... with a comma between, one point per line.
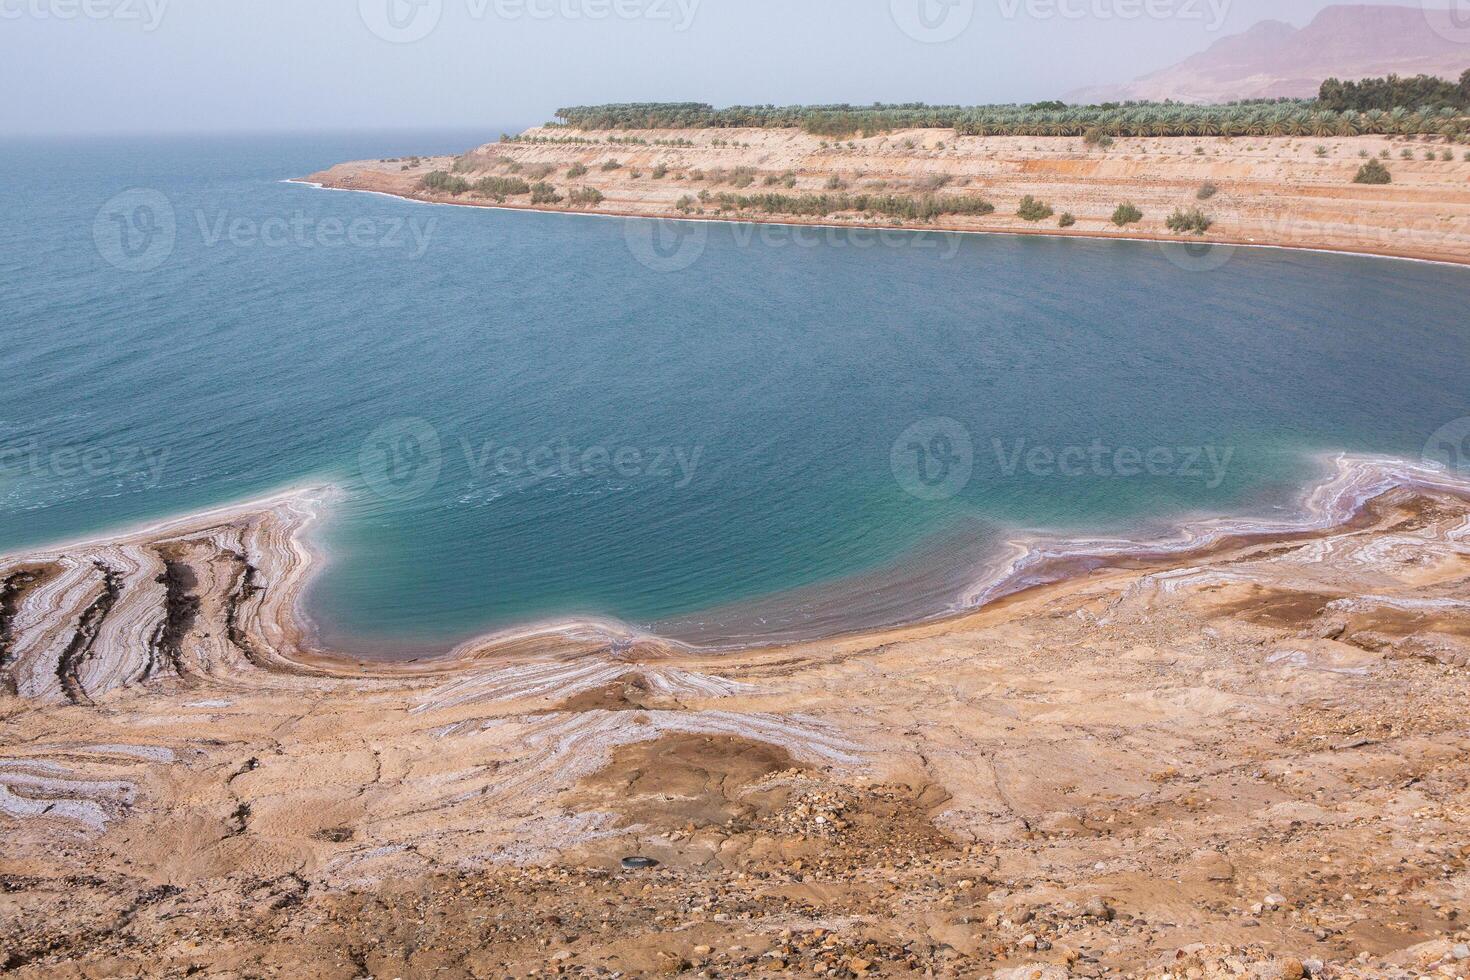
x=639, y=863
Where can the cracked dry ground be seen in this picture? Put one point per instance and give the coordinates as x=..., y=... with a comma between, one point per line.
x=1255, y=765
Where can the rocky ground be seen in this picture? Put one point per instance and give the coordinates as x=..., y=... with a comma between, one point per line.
x=1250, y=761
x=1267, y=190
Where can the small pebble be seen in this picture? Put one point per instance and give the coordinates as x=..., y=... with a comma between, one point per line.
x=639, y=863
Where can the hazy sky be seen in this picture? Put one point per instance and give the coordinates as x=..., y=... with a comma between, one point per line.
x=167, y=65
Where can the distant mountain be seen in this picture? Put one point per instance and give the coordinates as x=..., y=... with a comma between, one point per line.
x=1275, y=59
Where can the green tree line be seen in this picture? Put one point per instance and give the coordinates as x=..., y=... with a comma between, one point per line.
x=1275, y=117
x=1385, y=94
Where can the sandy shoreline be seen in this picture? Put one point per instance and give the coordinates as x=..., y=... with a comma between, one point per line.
x=281, y=522
x=1273, y=192
x=1427, y=257
x=1249, y=759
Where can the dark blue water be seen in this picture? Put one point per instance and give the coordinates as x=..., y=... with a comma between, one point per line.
x=536, y=415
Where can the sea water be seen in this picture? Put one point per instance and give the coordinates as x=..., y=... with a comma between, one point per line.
x=541, y=415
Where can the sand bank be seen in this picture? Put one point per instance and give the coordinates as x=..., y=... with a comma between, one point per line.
x=1235, y=754
x=1269, y=191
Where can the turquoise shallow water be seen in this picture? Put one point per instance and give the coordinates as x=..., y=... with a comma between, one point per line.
x=541, y=415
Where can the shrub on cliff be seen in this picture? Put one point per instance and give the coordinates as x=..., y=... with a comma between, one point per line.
x=1193, y=220
x=586, y=196
x=500, y=188
x=470, y=163
x=925, y=208
x=961, y=205
x=576, y=170
x=544, y=193
x=444, y=183
x=686, y=203
x=1373, y=172
x=1206, y=191
x=1033, y=210
x=1127, y=214
x=1067, y=220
